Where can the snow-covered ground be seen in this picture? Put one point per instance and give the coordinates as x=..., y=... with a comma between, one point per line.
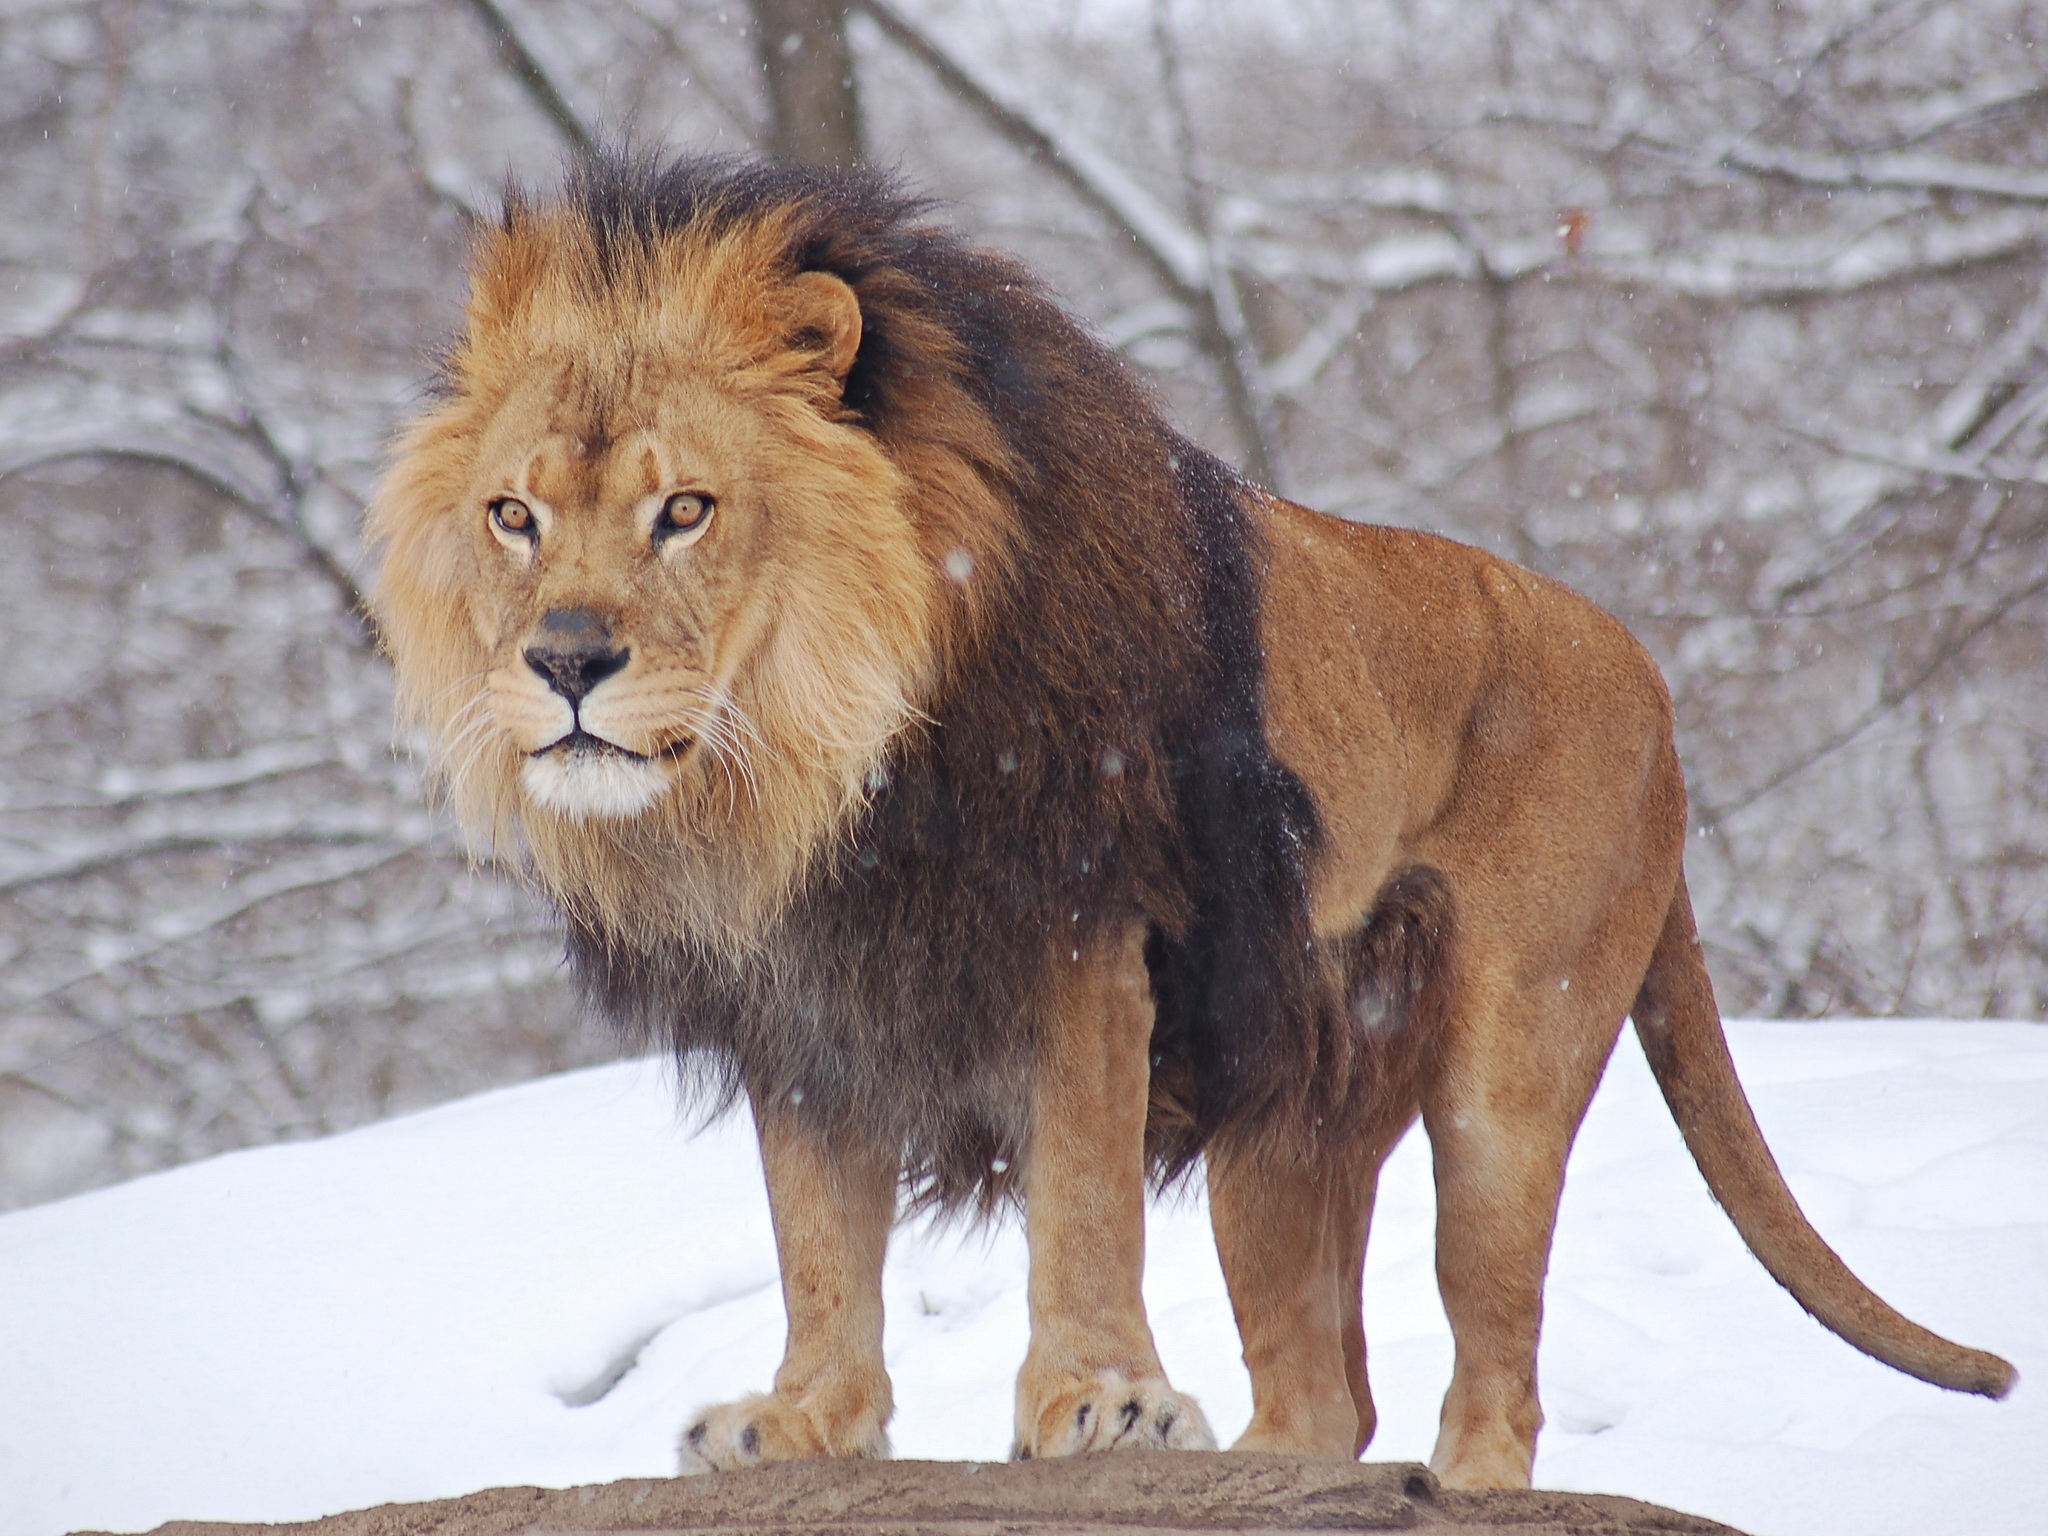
x=537, y=1285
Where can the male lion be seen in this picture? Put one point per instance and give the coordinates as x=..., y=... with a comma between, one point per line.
x=1011, y=802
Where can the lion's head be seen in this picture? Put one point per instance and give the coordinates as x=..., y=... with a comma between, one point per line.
x=652, y=588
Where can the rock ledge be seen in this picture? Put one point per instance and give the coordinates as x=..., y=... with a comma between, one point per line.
x=1143, y=1494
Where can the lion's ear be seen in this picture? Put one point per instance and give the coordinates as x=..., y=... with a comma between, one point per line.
x=825, y=314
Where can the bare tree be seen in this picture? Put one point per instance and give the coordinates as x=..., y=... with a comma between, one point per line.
x=227, y=914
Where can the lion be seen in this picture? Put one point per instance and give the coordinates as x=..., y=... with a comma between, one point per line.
x=1012, y=804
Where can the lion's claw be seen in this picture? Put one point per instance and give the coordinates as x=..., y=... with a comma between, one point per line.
x=768, y=1428
x=1109, y=1412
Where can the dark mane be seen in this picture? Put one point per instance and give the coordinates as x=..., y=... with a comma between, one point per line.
x=1095, y=756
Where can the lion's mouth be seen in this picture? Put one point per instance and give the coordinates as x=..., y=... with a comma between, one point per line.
x=581, y=743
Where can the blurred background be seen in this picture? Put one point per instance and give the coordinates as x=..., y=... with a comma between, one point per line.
x=1733, y=315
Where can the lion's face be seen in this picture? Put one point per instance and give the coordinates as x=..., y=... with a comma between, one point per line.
x=649, y=593
x=629, y=583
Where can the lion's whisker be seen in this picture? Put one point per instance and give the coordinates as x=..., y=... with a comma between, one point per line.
x=731, y=709
x=715, y=729
x=463, y=744
x=464, y=681
x=737, y=724
x=714, y=722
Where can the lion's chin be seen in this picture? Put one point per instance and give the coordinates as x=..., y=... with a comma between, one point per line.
x=585, y=782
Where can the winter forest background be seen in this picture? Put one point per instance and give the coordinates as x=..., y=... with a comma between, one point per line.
x=1733, y=315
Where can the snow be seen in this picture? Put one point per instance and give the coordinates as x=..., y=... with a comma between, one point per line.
x=537, y=1286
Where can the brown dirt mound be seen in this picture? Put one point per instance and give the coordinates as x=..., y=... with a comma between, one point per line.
x=1142, y=1494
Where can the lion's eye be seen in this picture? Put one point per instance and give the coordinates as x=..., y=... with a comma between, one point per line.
x=511, y=515
x=684, y=512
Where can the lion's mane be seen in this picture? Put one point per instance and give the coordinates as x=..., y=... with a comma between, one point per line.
x=1086, y=750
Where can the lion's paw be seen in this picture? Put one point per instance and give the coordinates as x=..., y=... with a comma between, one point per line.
x=1110, y=1412
x=766, y=1428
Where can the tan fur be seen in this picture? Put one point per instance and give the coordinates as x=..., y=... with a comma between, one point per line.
x=789, y=656
x=833, y=1211
x=1478, y=741
x=1453, y=710
x=1092, y=1379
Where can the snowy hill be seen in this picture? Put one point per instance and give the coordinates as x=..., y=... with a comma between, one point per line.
x=537, y=1285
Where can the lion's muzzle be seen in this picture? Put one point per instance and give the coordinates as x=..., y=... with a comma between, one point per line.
x=580, y=772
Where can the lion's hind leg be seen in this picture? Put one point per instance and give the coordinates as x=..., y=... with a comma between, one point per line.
x=1522, y=1054
x=833, y=1207
x=1291, y=1222
x=1291, y=1237
x=1291, y=1219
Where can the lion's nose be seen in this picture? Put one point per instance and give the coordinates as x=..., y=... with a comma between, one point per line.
x=573, y=650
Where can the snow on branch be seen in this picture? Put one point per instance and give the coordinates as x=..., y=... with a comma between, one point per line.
x=1741, y=268
x=179, y=929
x=77, y=417
x=1876, y=171
x=1890, y=173
x=1755, y=267
x=157, y=400
x=167, y=830
x=273, y=759
x=1925, y=461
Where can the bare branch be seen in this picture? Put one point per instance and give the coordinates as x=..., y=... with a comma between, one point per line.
x=188, y=927
x=701, y=77
x=1888, y=699
x=533, y=75
x=1178, y=257
x=1890, y=173
x=1876, y=171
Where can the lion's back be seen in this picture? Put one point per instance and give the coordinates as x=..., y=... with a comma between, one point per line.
x=1414, y=680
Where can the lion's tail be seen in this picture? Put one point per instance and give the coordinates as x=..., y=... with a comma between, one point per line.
x=1680, y=1027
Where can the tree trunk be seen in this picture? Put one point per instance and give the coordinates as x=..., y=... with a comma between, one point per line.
x=813, y=106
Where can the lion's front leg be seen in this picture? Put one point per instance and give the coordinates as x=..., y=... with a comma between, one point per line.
x=833, y=1207
x=1091, y=1379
